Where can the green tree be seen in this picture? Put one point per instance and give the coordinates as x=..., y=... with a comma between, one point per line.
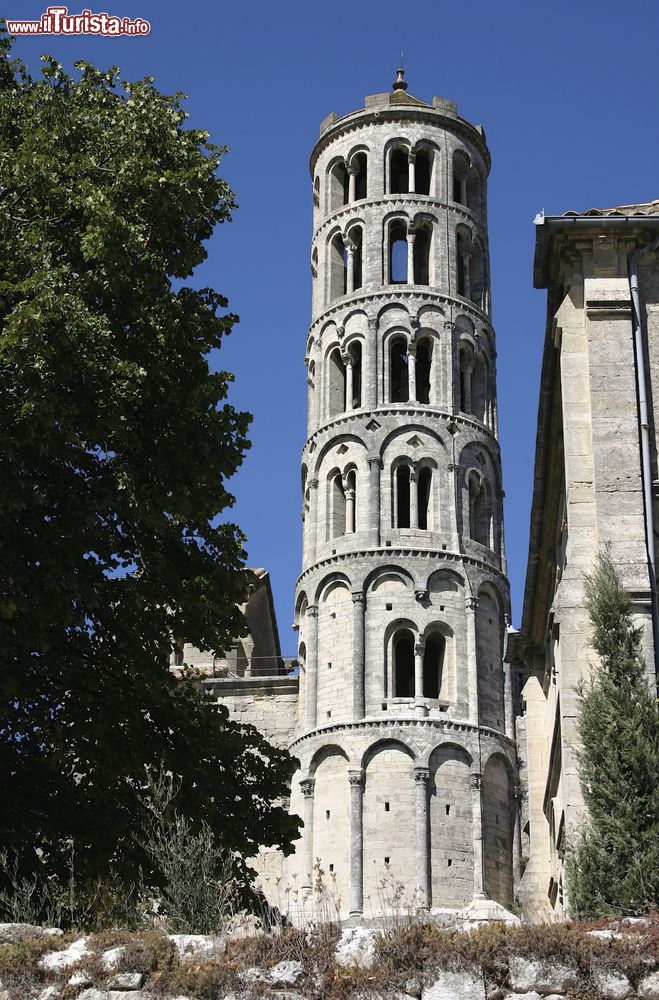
x=613, y=866
x=116, y=444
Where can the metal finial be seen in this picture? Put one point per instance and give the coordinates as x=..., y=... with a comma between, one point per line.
x=399, y=82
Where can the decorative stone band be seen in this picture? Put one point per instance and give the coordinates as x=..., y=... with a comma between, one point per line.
x=400, y=411
x=391, y=726
x=390, y=553
x=400, y=294
x=397, y=205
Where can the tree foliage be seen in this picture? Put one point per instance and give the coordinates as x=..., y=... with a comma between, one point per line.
x=116, y=445
x=614, y=864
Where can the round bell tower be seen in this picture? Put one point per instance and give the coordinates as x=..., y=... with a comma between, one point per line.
x=406, y=729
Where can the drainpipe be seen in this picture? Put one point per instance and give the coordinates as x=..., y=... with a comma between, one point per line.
x=641, y=392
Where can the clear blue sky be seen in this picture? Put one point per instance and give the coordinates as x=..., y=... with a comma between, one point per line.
x=567, y=93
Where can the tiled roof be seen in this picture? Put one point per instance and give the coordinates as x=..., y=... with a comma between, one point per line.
x=649, y=208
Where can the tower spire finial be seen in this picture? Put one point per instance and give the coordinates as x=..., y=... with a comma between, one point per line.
x=399, y=83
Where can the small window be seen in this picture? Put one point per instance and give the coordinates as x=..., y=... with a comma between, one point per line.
x=448, y=809
x=386, y=807
x=331, y=868
x=327, y=814
x=386, y=861
x=449, y=862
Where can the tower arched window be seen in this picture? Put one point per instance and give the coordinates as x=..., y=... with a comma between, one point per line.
x=403, y=664
x=421, y=256
x=460, y=171
x=473, y=188
x=476, y=275
x=338, y=268
x=479, y=390
x=339, y=184
x=422, y=172
x=462, y=260
x=466, y=369
x=397, y=253
x=355, y=276
x=433, y=662
x=355, y=353
x=316, y=191
x=337, y=506
x=479, y=514
x=337, y=384
x=399, y=388
x=423, y=370
x=350, y=491
x=424, y=494
x=399, y=174
x=360, y=162
x=402, y=487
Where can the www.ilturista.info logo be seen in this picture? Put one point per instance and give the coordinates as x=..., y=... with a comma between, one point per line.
x=58, y=21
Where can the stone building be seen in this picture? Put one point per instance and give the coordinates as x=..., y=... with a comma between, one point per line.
x=595, y=482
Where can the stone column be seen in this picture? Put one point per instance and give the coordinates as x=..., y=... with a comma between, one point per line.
x=421, y=775
x=350, y=278
x=370, y=367
x=311, y=521
x=374, y=467
x=411, y=177
x=471, y=604
x=466, y=291
x=356, y=779
x=347, y=361
x=411, y=370
x=419, y=649
x=410, y=257
x=508, y=701
x=311, y=638
x=476, y=780
x=352, y=175
x=307, y=786
x=463, y=191
x=358, y=655
x=517, y=843
x=350, y=511
x=468, y=371
x=453, y=500
x=414, y=499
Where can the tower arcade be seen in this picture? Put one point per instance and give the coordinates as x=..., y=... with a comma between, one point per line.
x=405, y=730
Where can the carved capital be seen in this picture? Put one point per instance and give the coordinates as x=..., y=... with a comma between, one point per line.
x=353, y=169
x=356, y=778
x=374, y=462
x=419, y=648
x=358, y=597
x=411, y=349
x=476, y=779
x=313, y=484
x=421, y=775
x=471, y=603
x=312, y=611
x=307, y=786
x=340, y=332
x=449, y=325
x=421, y=595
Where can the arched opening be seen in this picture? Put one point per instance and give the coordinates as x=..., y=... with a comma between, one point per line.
x=316, y=191
x=424, y=489
x=356, y=235
x=399, y=389
x=403, y=496
x=479, y=390
x=422, y=172
x=423, y=370
x=360, y=162
x=403, y=656
x=476, y=275
x=338, y=267
x=460, y=171
x=421, y=257
x=433, y=661
x=462, y=255
x=338, y=506
x=339, y=186
x=337, y=384
x=355, y=351
x=466, y=367
x=474, y=191
x=350, y=491
x=479, y=526
x=399, y=178
x=397, y=253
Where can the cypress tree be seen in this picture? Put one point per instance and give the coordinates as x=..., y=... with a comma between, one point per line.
x=613, y=865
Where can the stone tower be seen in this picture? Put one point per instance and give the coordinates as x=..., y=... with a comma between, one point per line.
x=405, y=733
